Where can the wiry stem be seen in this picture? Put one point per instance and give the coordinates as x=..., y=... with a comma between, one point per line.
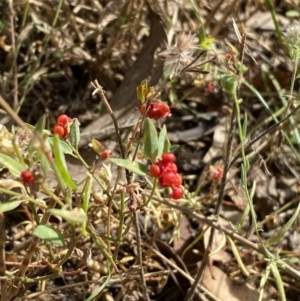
x=139, y=253
x=2, y=258
x=99, y=89
x=204, y=261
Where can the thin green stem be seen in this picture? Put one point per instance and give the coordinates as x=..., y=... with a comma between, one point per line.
x=274, y=18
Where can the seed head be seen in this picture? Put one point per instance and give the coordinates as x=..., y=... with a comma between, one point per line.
x=292, y=37
x=180, y=54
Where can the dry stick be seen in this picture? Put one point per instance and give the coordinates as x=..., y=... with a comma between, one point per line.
x=228, y=152
x=232, y=233
x=212, y=13
x=30, y=251
x=220, y=24
x=13, y=47
x=128, y=178
x=2, y=258
x=264, y=133
x=13, y=115
x=204, y=262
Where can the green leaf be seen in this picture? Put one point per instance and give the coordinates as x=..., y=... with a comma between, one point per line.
x=173, y=96
x=135, y=167
x=292, y=13
x=65, y=147
x=8, y=206
x=173, y=148
x=60, y=161
x=142, y=91
x=75, y=216
x=74, y=135
x=161, y=141
x=14, y=167
x=40, y=125
x=45, y=164
x=150, y=140
x=284, y=229
x=49, y=234
x=87, y=189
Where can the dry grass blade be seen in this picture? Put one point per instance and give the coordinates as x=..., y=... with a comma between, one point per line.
x=2, y=258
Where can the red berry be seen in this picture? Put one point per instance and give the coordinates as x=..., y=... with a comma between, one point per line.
x=166, y=167
x=63, y=120
x=60, y=131
x=156, y=110
x=210, y=88
x=164, y=110
x=105, y=154
x=178, y=180
x=153, y=111
x=216, y=173
x=177, y=192
x=171, y=179
x=27, y=177
x=168, y=157
x=155, y=170
x=142, y=108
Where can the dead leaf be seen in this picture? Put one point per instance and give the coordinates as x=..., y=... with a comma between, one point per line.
x=4, y=46
x=6, y=145
x=124, y=100
x=221, y=286
x=219, y=241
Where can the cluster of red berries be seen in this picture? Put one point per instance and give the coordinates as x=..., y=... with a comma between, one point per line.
x=27, y=177
x=166, y=172
x=156, y=110
x=62, y=128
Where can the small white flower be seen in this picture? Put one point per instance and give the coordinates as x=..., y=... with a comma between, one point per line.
x=181, y=54
x=292, y=36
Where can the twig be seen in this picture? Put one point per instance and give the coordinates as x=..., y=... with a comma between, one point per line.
x=100, y=91
x=13, y=115
x=2, y=258
x=232, y=233
x=139, y=253
x=265, y=132
x=13, y=48
x=31, y=249
x=204, y=261
x=227, y=158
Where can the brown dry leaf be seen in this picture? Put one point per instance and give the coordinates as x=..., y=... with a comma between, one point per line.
x=263, y=21
x=221, y=286
x=217, y=254
x=185, y=233
x=238, y=196
x=6, y=138
x=124, y=100
x=10, y=184
x=219, y=138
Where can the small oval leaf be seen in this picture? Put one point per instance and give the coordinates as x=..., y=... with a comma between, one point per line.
x=9, y=206
x=74, y=135
x=136, y=167
x=150, y=140
x=14, y=167
x=65, y=147
x=161, y=141
x=61, y=164
x=75, y=216
x=49, y=234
